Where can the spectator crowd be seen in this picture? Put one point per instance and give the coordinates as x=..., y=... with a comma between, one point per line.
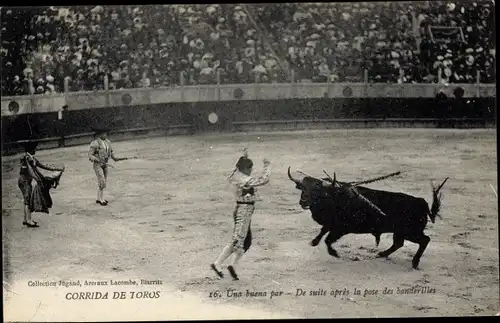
x=189, y=44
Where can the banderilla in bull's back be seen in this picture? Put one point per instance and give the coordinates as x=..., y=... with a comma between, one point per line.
x=357, y=183
x=373, y=180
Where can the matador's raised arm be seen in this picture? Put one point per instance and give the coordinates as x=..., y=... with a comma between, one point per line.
x=262, y=179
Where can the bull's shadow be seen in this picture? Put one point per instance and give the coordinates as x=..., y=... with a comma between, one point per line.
x=368, y=259
x=342, y=208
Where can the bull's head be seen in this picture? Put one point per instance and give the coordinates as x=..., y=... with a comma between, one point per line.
x=312, y=188
x=329, y=192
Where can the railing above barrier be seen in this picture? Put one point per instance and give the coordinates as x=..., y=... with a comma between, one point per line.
x=42, y=103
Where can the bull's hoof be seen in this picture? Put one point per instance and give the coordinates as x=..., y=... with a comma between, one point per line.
x=381, y=255
x=333, y=253
x=314, y=243
x=414, y=265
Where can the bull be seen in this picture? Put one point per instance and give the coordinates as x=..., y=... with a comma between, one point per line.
x=341, y=208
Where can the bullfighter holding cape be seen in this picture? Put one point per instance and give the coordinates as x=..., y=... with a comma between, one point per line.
x=245, y=205
x=36, y=196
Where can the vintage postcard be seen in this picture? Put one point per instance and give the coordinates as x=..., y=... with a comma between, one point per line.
x=249, y=161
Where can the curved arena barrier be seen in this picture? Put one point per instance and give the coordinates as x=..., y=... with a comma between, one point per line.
x=66, y=119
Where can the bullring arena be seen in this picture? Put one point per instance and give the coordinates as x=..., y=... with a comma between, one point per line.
x=364, y=89
x=170, y=213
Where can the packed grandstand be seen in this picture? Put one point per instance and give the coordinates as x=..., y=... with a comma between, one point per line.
x=189, y=44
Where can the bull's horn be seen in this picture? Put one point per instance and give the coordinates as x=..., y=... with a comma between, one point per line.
x=291, y=178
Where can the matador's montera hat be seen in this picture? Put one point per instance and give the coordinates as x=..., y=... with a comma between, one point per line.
x=30, y=145
x=244, y=163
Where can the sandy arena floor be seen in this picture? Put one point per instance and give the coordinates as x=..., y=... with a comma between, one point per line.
x=170, y=214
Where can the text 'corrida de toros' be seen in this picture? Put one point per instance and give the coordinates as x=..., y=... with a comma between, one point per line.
x=113, y=295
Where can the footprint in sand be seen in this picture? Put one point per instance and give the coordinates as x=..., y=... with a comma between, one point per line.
x=368, y=249
x=460, y=235
x=180, y=229
x=445, y=271
x=467, y=245
x=464, y=244
x=262, y=259
x=485, y=270
x=78, y=262
x=423, y=308
x=478, y=309
x=460, y=294
x=408, y=253
x=270, y=246
x=423, y=280
x=201, y=281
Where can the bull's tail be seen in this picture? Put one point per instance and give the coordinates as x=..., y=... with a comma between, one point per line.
x=436, y=201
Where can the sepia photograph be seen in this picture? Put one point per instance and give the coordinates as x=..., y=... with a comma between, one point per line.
x=249, y=161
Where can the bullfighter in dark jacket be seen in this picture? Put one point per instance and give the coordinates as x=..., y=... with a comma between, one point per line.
x=37, y=197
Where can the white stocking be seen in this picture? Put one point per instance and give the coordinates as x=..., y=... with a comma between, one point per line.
x=226, y=252
x=237, y=256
